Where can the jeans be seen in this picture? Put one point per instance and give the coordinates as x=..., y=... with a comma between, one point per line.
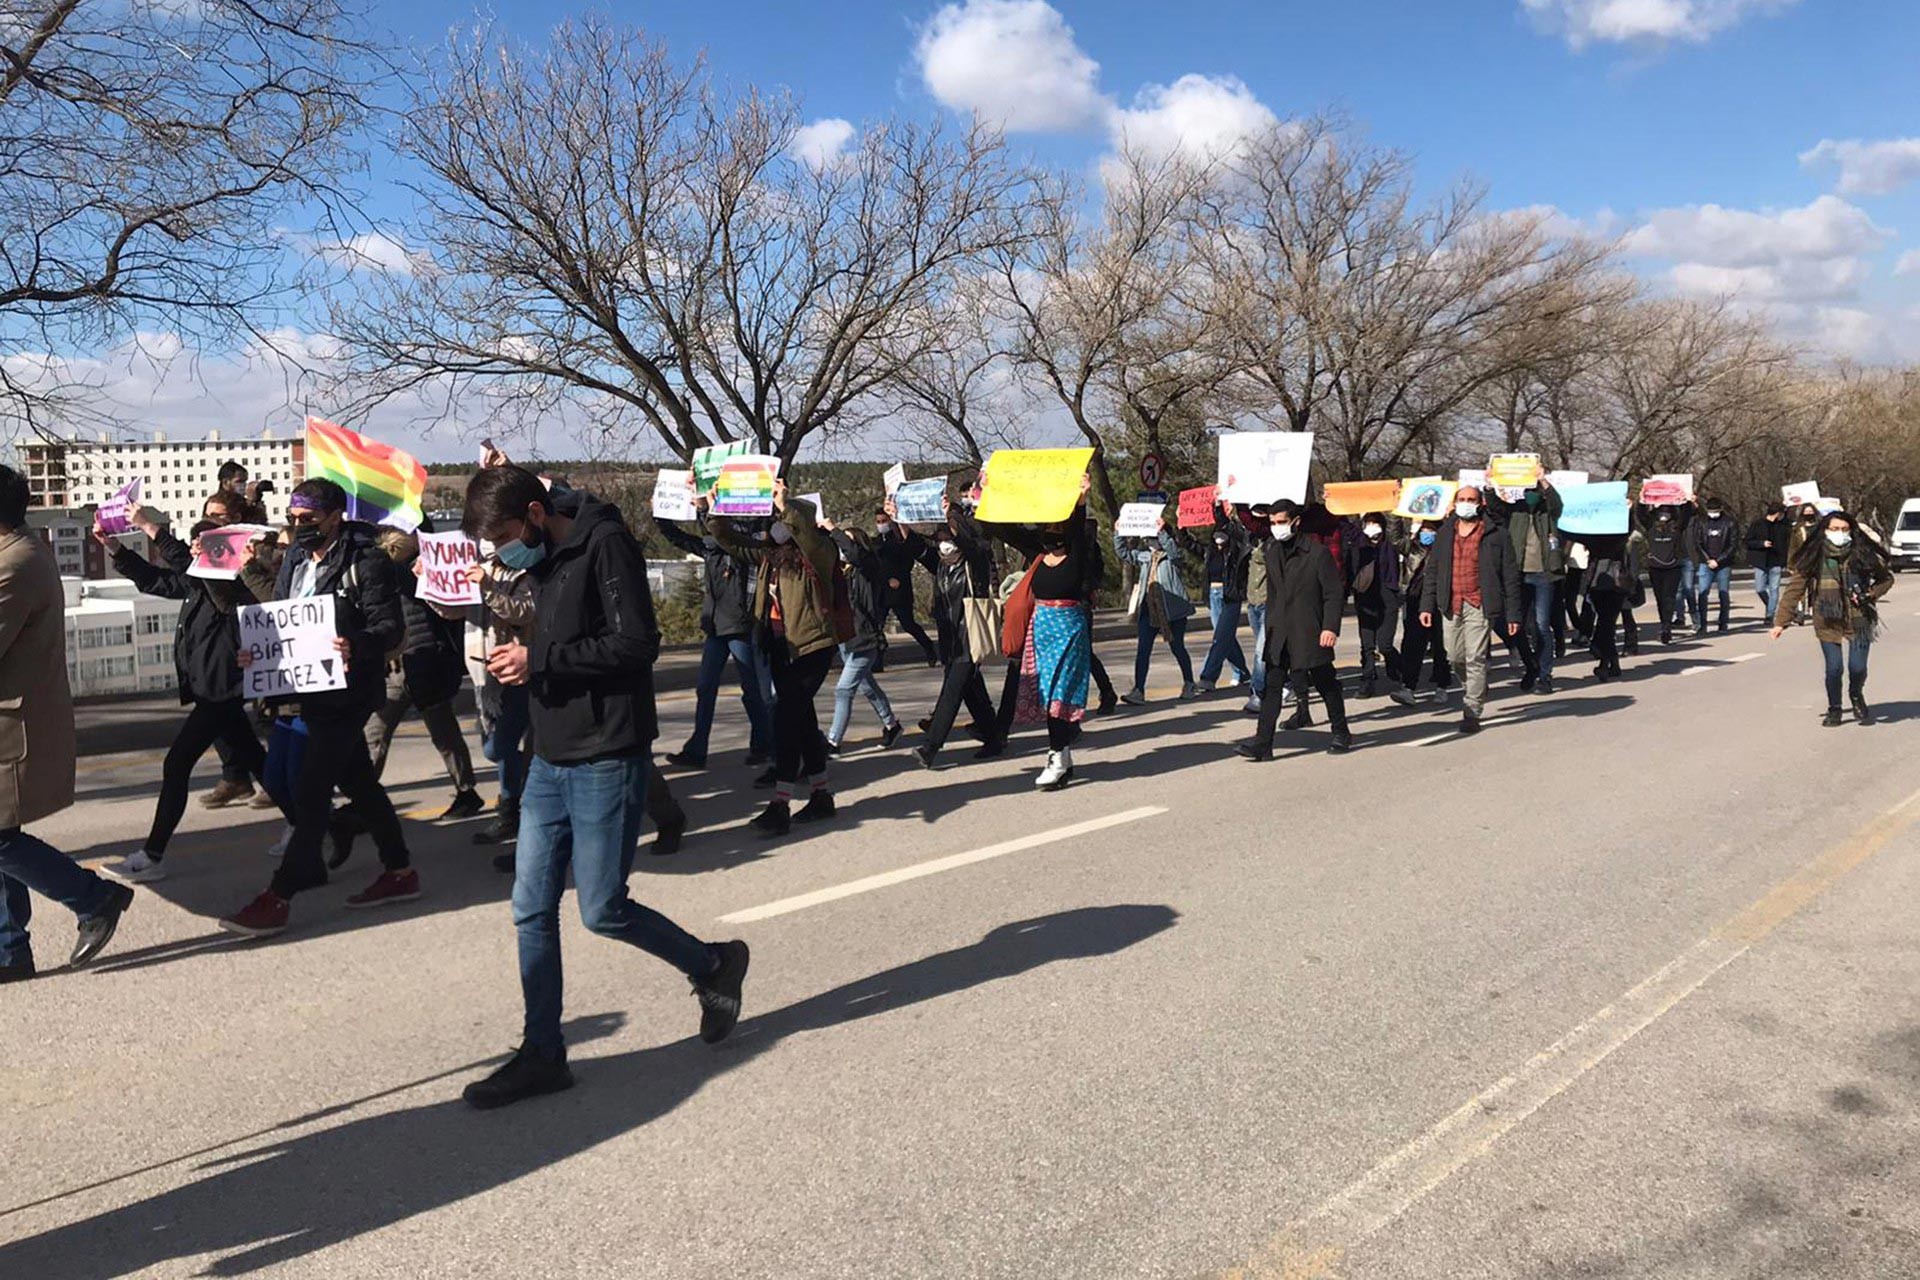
x=857, y=673
x=207, y=723
x=1766, y=584
x=755, y=693
x=504, y=744
x=1469, y=638
x=29, y=863
x=1539, y=603
x=1257, y=615
x=586, y=817
x=443, y=727
x=1706, y=578
x=1143, y=650
x=1857, y=648
x=1225, y=651
x=336, y=757
x=286, y=754
x=1692, y=605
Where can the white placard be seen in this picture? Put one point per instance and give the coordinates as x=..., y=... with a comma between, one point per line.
x=1265, y=466
x=673, y=496
x=1799, y=495
x=444, y=561
x=1139, y=519
x=819, y=506
x=1476, y=478
x=292, y=646
x=895, y=477
x=1566, y=479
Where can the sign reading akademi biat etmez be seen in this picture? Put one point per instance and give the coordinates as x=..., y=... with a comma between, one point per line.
x=291, y=646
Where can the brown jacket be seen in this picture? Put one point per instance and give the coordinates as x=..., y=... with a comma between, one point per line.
x=37, y=744
x=806, y=600
x=1800, y=587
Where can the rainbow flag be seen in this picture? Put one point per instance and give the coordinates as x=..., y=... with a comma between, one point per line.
x=384, y=485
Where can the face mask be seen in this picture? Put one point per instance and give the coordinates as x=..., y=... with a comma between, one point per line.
x=1372, y=530
x=949, y=548
x=883, y=528
x=781, y=534
x=1282, y=532
x=1839, y=537
x=309, y=536
x=1219, y=542
x=518, y=555
x=1466, y=510
x=1426, y=537
x=1713, y=515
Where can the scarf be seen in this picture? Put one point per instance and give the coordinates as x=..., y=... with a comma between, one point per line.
x=1838, y=600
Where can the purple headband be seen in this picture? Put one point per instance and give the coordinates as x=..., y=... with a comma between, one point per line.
x=301, y=502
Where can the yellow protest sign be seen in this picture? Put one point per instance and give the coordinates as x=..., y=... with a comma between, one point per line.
x=1032, y=485
x=1513, y=470
x=1357, y=497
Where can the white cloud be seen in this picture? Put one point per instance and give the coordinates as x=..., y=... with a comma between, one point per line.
x=821, y=143
x=1207, y=116
x=1013, y=62
x=1710, y=233
x=1825, y=279
x=1643, y=22
x=1909, y=263
x=373, y=251
x=1867, y=168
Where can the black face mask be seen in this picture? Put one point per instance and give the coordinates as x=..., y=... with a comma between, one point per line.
x=1053, y=543
x=309, y=537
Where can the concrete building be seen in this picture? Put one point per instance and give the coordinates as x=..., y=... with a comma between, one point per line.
x=176, y=475
x=118, y=641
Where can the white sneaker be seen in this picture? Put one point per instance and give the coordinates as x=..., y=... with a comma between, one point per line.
x=1286, y=696
x=138, y=867
x=278, y=849
x=1058, y=772
x=1233, y=681
x=1189, y=693
x=1252, y=706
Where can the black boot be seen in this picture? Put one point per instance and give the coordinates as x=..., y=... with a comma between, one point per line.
x=774, y=820
x=1857, y=691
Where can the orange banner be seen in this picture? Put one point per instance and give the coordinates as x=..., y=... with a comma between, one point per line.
x=1357, y=497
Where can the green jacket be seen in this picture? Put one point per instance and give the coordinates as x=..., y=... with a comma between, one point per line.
x=805, y=594
x=1543, y=521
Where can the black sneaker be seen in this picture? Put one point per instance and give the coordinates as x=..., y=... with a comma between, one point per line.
x=924, y=755
x=1342, y=742
x=818, y=808
x=465, y=805
x=17, y=971
x=667, y=839
x=525, y=1075
x=1253, y=751
x=719, y=991
x=754, y=760
x=765, y=780
x=1108, y=702
x=833, y=748
x=1544, y=686
x=681, y=760
x=988, y=751
x=926, y=723
x=774, y=820
x=504, y=829
x=1832, y=719
x=503, y=862
x=96, y=930
x=1861, y=711
x=890, y=735
x=1469, y=722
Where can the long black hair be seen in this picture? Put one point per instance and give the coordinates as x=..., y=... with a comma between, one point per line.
x=1863, y=554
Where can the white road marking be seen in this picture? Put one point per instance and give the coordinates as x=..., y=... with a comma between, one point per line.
x=1749, y=657
x=885, y=879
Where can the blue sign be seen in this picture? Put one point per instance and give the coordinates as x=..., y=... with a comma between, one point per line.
x=1594, y=508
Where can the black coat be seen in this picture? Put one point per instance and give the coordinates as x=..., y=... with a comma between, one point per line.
x=1305, y=595
x=433, y=659
x=1762, y=531
x=368, y=615
x=206, y=639
x=1499, y=576
x=899, y=551
x=726, y=606
x=866, y=591
x=595, y=640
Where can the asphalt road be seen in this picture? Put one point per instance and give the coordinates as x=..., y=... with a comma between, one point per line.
x=1627, y=986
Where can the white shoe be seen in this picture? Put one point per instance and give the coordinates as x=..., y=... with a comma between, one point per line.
x=1189, y=693
x=1286, y=696
x=1252, y=707
x=278, y=849
x=138, y=867
x=1059, y=770
x=1233, y=681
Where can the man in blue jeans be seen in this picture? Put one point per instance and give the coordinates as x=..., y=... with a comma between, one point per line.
x=588, y=670
x=1226, y=594
x=1712, y=542
x=726, y=622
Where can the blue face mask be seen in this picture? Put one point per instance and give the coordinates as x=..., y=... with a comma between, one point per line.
x=1426, y=537
x=518, y=555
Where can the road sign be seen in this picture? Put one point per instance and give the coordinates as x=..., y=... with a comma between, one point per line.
x=1153, y=469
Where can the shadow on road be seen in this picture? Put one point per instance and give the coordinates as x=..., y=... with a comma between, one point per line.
x=294, y=1196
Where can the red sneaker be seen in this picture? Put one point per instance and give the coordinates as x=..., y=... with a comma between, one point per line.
x=392, y=886
x=265, y=916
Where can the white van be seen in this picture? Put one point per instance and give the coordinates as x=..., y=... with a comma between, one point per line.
x=1905, y=543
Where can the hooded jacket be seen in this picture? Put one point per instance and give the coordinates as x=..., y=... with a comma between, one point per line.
x=1666, y=543
x=595, y=640
x=1305, y=595
x=206, y=640
x=1499, y=576
x=368, y=615
x=725, y=610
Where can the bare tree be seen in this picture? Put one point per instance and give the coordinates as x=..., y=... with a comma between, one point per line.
x=150, y=152
x=609, y=228
x=953, y=396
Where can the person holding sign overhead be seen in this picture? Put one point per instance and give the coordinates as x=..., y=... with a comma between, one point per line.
x=332, y=555
x=1471, y=588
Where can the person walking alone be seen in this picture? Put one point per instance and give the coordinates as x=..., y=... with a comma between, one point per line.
x=1305, y=597
x=1840, y=577
x=1472, y=588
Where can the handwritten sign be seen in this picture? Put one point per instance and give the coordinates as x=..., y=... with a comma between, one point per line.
x=1666, y=491
x=1567, y=479
x=1357, y=497
x=224, y=550
x=116, y=513
x=444, y=561
x=1513, y=470
x=1265, y=466
x=1800, y=495
x=745, y=486
x=1426, y=498
x=1139, y=519
x=673, y=496
x=291, y=643
x=1032, y=485
x=918, y=501
x=1196, y=506
x=895, y=477
x=708, y=461
x=1594, y=508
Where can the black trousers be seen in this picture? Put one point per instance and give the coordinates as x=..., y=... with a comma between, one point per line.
x=900, y=609
x=1666, y=593
x=337, y=759
x=799, y=748
x=963, y=684
x=1320, y=677
x=1606, y=621
x=221, y=724
x=231, y=770
x=1419, y=641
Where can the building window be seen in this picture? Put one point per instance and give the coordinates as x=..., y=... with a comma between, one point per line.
x=153, y=624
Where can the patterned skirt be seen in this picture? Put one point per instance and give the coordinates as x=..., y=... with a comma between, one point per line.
x=1056, y=664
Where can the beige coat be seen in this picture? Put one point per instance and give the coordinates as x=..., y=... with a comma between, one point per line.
x=37, y=744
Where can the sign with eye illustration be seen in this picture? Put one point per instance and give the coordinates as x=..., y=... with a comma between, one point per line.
x=223, y=551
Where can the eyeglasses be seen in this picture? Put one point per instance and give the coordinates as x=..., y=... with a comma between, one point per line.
x=304, y=517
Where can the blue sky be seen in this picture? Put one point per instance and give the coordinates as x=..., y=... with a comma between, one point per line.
x=1678, y=124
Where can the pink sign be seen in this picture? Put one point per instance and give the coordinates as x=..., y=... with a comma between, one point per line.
x=116, y=513
x=444, y=561
x=223, y=551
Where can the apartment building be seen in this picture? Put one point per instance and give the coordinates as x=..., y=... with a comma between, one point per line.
x=118, y=641
x=176, y=475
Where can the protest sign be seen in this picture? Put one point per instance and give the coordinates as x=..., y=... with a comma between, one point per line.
x=918, y=501
x=673, y=496
x=1196, y=506
x=708, y=461
x=1426, y=498
x=1567, y=479
x=745, y=485
x=1475, y=479
x=1666, y=491
x=1594, y=508
x=895, y=477
x=1825, y=504
x=818, y=504
x=1513, y=470
x=115, y=515
x=1139, y=519
x=1032, y=485
x=291, y=643
x=1512, y=495
x=1265, y=466
x=224, y=550
x=1799, y=495
x=444, y=561
x=1357, y=497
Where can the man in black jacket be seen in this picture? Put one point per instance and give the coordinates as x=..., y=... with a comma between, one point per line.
x=1472, y=584
x=589, y=669
x=726, y=623
x=332, y=555
x=899, y=550
x=1713, y=541
x=1305, y=596
x=1767, y=540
